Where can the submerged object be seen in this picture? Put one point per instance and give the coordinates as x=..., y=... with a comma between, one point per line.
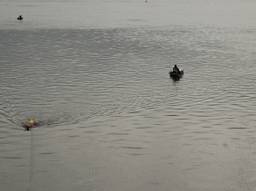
x=20, y=17
x=176, y=75
x=30, y=123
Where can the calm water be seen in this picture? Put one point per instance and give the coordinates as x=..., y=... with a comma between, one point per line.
x=112, y=120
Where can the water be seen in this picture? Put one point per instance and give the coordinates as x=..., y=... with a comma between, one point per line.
x=111, y=118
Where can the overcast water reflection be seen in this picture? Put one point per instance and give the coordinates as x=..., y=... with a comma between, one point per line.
x=110, y=117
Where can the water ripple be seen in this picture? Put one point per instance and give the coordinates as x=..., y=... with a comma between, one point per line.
x=103, y=98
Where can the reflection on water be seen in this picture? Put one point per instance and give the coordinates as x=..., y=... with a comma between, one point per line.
x=114, y=120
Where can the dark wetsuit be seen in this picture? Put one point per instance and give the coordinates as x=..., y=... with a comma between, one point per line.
x=176, y=69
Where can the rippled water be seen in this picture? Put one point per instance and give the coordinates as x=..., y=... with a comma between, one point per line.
x=111, y=119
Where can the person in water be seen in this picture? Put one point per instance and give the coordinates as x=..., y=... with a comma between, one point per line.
x=20, y=17
x=30, y=123
x=176, y=69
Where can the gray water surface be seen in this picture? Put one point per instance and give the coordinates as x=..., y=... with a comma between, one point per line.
x=112, y=119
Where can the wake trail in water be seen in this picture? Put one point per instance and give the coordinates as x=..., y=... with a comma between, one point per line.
x=31, y=161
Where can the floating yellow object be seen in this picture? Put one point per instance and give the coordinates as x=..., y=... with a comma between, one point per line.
x=30, y=123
